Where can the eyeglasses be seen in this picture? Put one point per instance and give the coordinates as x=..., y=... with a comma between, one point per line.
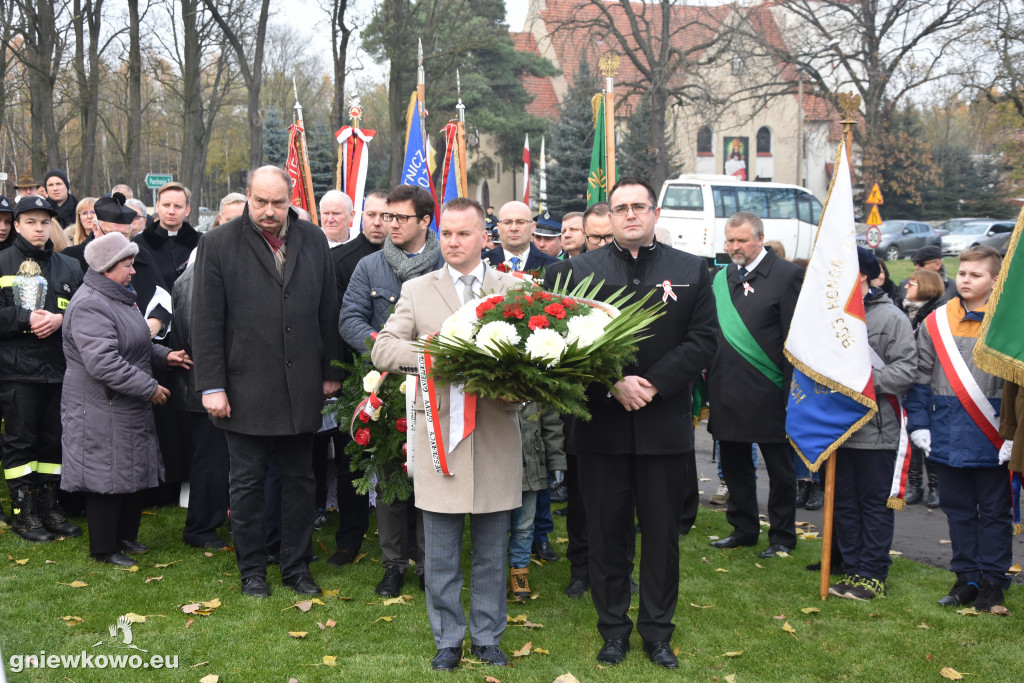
x=399, y=218
x=600, y=239
x=911, y=282
x=519, y=223
x=638, y=209
x=86, y=213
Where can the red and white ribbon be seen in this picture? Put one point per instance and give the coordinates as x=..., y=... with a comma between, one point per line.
x=352, y=178
x=667, y=292
x=747, y=289
x=461, y=416
x=966, y=388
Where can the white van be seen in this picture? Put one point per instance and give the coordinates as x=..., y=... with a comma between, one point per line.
x=694, y=209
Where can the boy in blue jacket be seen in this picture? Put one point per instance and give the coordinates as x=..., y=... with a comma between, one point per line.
x=953, y=414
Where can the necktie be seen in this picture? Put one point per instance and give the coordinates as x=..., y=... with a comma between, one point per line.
x=467, y=289
x=743, y=272
x=515, y=261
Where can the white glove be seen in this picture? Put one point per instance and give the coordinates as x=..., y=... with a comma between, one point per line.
x=1005, y=451
x=922, y=438
x=558, y=476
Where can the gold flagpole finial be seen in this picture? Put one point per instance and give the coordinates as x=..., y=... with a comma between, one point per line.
x=609, y=65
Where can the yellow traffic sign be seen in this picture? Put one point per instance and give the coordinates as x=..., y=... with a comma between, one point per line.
x=875, y=197
x=874, y=218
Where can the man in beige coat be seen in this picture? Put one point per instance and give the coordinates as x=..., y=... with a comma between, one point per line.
x=484, y=469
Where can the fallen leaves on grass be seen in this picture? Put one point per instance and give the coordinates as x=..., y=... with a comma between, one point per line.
x=21, y=562
x=566, y=678
x=153, y=578
x=359, y=557
x=1015, y=569
x=779, y=617
x=189, y=622
x=968, y=612
x=731, y=678
x=950, y=673
x=810, y=610
x=202, y=608
x=561, y=539
x=734, y=653
x=895, y=553
x=399, y=600
x=524, y=651
x=133, y=568
x=298, y=634
x=789, y=629
x=331, y=623
x=208, y=554
x=696, y=606
x=1000, y=610
x=387, y=619
x=134, y=618
x=74, y=584
x=166, y=564
x=492, y=679
x=522, y=620
x=331, y=592
x=72, y=621
x=305, y=605
x=724, y=571
x=212, y=678
x=923, y=625
x=330, y=660
x=53, y=562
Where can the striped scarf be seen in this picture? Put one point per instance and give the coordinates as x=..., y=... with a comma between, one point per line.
x=277, y=244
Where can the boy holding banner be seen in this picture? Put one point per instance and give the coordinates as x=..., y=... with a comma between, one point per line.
x=953, y=417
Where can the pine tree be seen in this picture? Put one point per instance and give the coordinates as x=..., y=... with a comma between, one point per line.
x=571, y=142
x=323, y=157
x=275, y=138
x=635, y=154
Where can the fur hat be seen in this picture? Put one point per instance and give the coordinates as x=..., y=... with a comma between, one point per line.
x=103, y=253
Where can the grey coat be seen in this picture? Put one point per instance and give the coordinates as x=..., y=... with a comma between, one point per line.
x=109, y=438
x=891, y=337
x=543, y=445
x=267, y=339
x=372, y=291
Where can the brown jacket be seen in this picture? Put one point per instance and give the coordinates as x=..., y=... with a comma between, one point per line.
x=487, y=467
x=1011, y=423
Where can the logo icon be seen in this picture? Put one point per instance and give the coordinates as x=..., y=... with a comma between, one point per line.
x=39, y=202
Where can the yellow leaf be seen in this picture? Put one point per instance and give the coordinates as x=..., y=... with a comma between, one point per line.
x=734, y=653
x=895, y=553
x=1015, y=569
x=331, y=660
x=52, y=562
x=387, y=619
x=358, y=558
x=74, y=584
x=212, y=604
x=331, y=592
x=212, y=678
x=318, y=601
x=696, y=606
x=810, y=610
x=781, y=553
x=22, y=562
x=150, y=512
x=722, y=570
x=731, y=678
x=945, y=541
x=569, y=678
x=789, y=629
x=540, y=651
x=196, y=666
x=951, y=673
x=153, y=578
x=759, y=565
x=968, y=612
x=524, y=651
x=298, y=634
x=166, y=564
x=133, y=568
x=134, y=618
x=398, y=600
x=536, y=562
x=518, y=619
x=331, y=623
x=561, y=539
x=491, y=679
x=72, y=621
x=809, y=534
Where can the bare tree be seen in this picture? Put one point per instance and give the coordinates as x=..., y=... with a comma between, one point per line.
x=340, y=35
x=251, y=68
x=133, y=134
x=663, y=44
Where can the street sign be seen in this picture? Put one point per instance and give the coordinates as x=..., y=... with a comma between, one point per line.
x=155, y=181
x=3, y=176
x=874, y=218
x=874, y=236
x=875, y=197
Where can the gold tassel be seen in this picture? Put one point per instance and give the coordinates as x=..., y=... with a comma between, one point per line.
x=895, y=503
x=1018, y=529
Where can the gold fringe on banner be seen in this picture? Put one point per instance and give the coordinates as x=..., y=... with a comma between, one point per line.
x=985, y=357
x=895, y=503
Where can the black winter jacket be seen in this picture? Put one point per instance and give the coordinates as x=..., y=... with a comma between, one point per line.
x=169, y=254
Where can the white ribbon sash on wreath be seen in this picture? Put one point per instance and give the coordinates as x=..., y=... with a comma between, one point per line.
x=461, y=414
x=411, y=387
x=354, y=162
x=966, y=388
x=901, y=471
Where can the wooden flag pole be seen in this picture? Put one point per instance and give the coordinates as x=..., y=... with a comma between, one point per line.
x=306, y=177
x=462, y=186
x=849, y=104
x=609, y=65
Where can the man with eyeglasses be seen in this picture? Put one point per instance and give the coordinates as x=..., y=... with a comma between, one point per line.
x=597, y=225
x=636, y=455
x=410, y=249
x=515, y=227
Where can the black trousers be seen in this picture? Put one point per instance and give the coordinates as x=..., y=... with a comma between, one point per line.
x=208, y=485
x=112, y=518
x=31, y=440
x=249, y=457
x=741, y=511
x=613, y=488
x=863, y=523
x=576, y=522
x=353, y=508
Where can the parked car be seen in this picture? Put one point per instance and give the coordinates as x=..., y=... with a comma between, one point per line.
x=991, y=233
x=903, y=238
x=947, y=227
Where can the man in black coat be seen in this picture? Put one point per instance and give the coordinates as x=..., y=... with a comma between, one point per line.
x=367, y=242
x=517, y=251
x=264, y=332
x=171, y=239
x=640, y=438
x=748, y=381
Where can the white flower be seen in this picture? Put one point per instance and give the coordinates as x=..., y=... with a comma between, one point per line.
x=545, y=344
x=585, y=329
x=370, y=380
x=459, y=326
x=405, y=386
x=494, y=332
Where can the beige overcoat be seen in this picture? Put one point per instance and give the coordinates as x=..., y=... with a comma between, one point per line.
x=487, y=467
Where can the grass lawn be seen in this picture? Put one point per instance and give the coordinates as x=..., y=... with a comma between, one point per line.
x=904, y=267
x=727, y=604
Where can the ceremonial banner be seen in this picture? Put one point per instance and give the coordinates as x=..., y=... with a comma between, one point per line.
x=295, y=166
x=832, y=392
x=1000, y=347
x=415, y=170
x=526, y=171
x=597, y=181
x=353, y=158
x=451, y=179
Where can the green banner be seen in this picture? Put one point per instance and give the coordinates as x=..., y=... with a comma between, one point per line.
x=1000, y=347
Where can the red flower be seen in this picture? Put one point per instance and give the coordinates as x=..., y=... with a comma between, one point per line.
x=483, y=308
x=556, y=310
x=401, y=425
x=405, y=451
x=529, y=299
x=502, y=268
x=362, y=436
x=569, y=304
x=514, y=312
x=405, y=466
x=538, y=322
x=544, y=296
x=363, y=416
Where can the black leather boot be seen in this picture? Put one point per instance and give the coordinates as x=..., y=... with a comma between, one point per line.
x=26, y=518
x=52, y=514
x=933, y=490
x=815, y=497
x=915, y=488
x=803, y=487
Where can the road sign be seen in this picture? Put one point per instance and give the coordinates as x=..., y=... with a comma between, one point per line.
x=874, y=236
x=3, y=176
x=874, y=218
x=876, y=196
x=155, y=181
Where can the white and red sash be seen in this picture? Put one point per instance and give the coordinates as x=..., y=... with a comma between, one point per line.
x=461, y=416
x=967, y=391
x=353, y=161
x=898, y=490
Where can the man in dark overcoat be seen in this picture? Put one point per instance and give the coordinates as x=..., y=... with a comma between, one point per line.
x=640, y=438
x=748, y=381
x=264, y=333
